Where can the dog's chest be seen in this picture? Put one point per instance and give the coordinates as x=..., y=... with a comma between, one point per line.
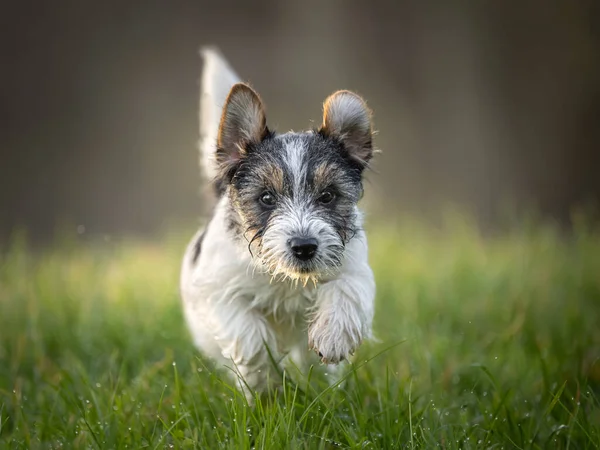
x=282, y=301
x=285, y=307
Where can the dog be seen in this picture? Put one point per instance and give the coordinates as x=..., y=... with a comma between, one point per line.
x=281, y=268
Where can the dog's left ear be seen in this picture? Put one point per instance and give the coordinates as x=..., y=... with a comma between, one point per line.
x=347, y=118
x=243, y=122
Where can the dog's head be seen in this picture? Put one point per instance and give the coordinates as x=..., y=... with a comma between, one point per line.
x=293, y=196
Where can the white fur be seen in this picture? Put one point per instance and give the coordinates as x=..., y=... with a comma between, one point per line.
x=294, y=150
x=217, y=79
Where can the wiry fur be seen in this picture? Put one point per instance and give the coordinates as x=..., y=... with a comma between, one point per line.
x=243, y=287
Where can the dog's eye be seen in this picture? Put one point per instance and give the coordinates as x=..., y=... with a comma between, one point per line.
x=326, y=197
x=267, y=199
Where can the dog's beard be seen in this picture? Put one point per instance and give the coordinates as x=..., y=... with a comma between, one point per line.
x=272, y=254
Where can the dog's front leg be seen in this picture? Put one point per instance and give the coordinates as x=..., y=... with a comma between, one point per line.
x=246, y=339
x=344, y=308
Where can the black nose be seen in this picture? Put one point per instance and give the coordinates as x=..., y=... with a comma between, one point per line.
x=303, y=248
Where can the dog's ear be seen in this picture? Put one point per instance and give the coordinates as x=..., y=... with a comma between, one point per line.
x=347, y=118
x=243, y=122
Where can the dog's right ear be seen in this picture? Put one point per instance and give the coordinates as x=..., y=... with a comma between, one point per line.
x=347, y=118
x=243, y=122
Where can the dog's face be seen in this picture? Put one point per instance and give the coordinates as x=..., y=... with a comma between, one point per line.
x=293, y=196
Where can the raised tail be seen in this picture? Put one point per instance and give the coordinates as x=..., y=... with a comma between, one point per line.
x=217, y=79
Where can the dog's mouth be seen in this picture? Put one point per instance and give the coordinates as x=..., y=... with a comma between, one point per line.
x=290, y=268
x=297, y=275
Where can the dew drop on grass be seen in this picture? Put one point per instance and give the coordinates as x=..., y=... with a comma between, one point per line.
x=174, y=363
x=199, y=369
x=98, y=385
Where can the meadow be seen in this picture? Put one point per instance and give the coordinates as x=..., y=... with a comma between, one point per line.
x=484, y=342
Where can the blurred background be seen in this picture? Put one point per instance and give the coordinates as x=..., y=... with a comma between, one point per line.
x=487, y=106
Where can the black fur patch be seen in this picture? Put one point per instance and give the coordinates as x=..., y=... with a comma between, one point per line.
x=198, y=248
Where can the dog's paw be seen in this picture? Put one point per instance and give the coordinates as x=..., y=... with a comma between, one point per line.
x=333, y=340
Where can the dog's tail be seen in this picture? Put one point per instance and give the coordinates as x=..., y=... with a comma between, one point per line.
x=217, y=79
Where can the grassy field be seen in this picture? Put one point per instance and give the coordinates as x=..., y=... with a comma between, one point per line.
x=485, y=343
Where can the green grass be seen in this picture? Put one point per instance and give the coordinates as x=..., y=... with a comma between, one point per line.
x=485, y=343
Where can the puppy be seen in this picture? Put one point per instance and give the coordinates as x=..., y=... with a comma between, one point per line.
x=282, y=266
